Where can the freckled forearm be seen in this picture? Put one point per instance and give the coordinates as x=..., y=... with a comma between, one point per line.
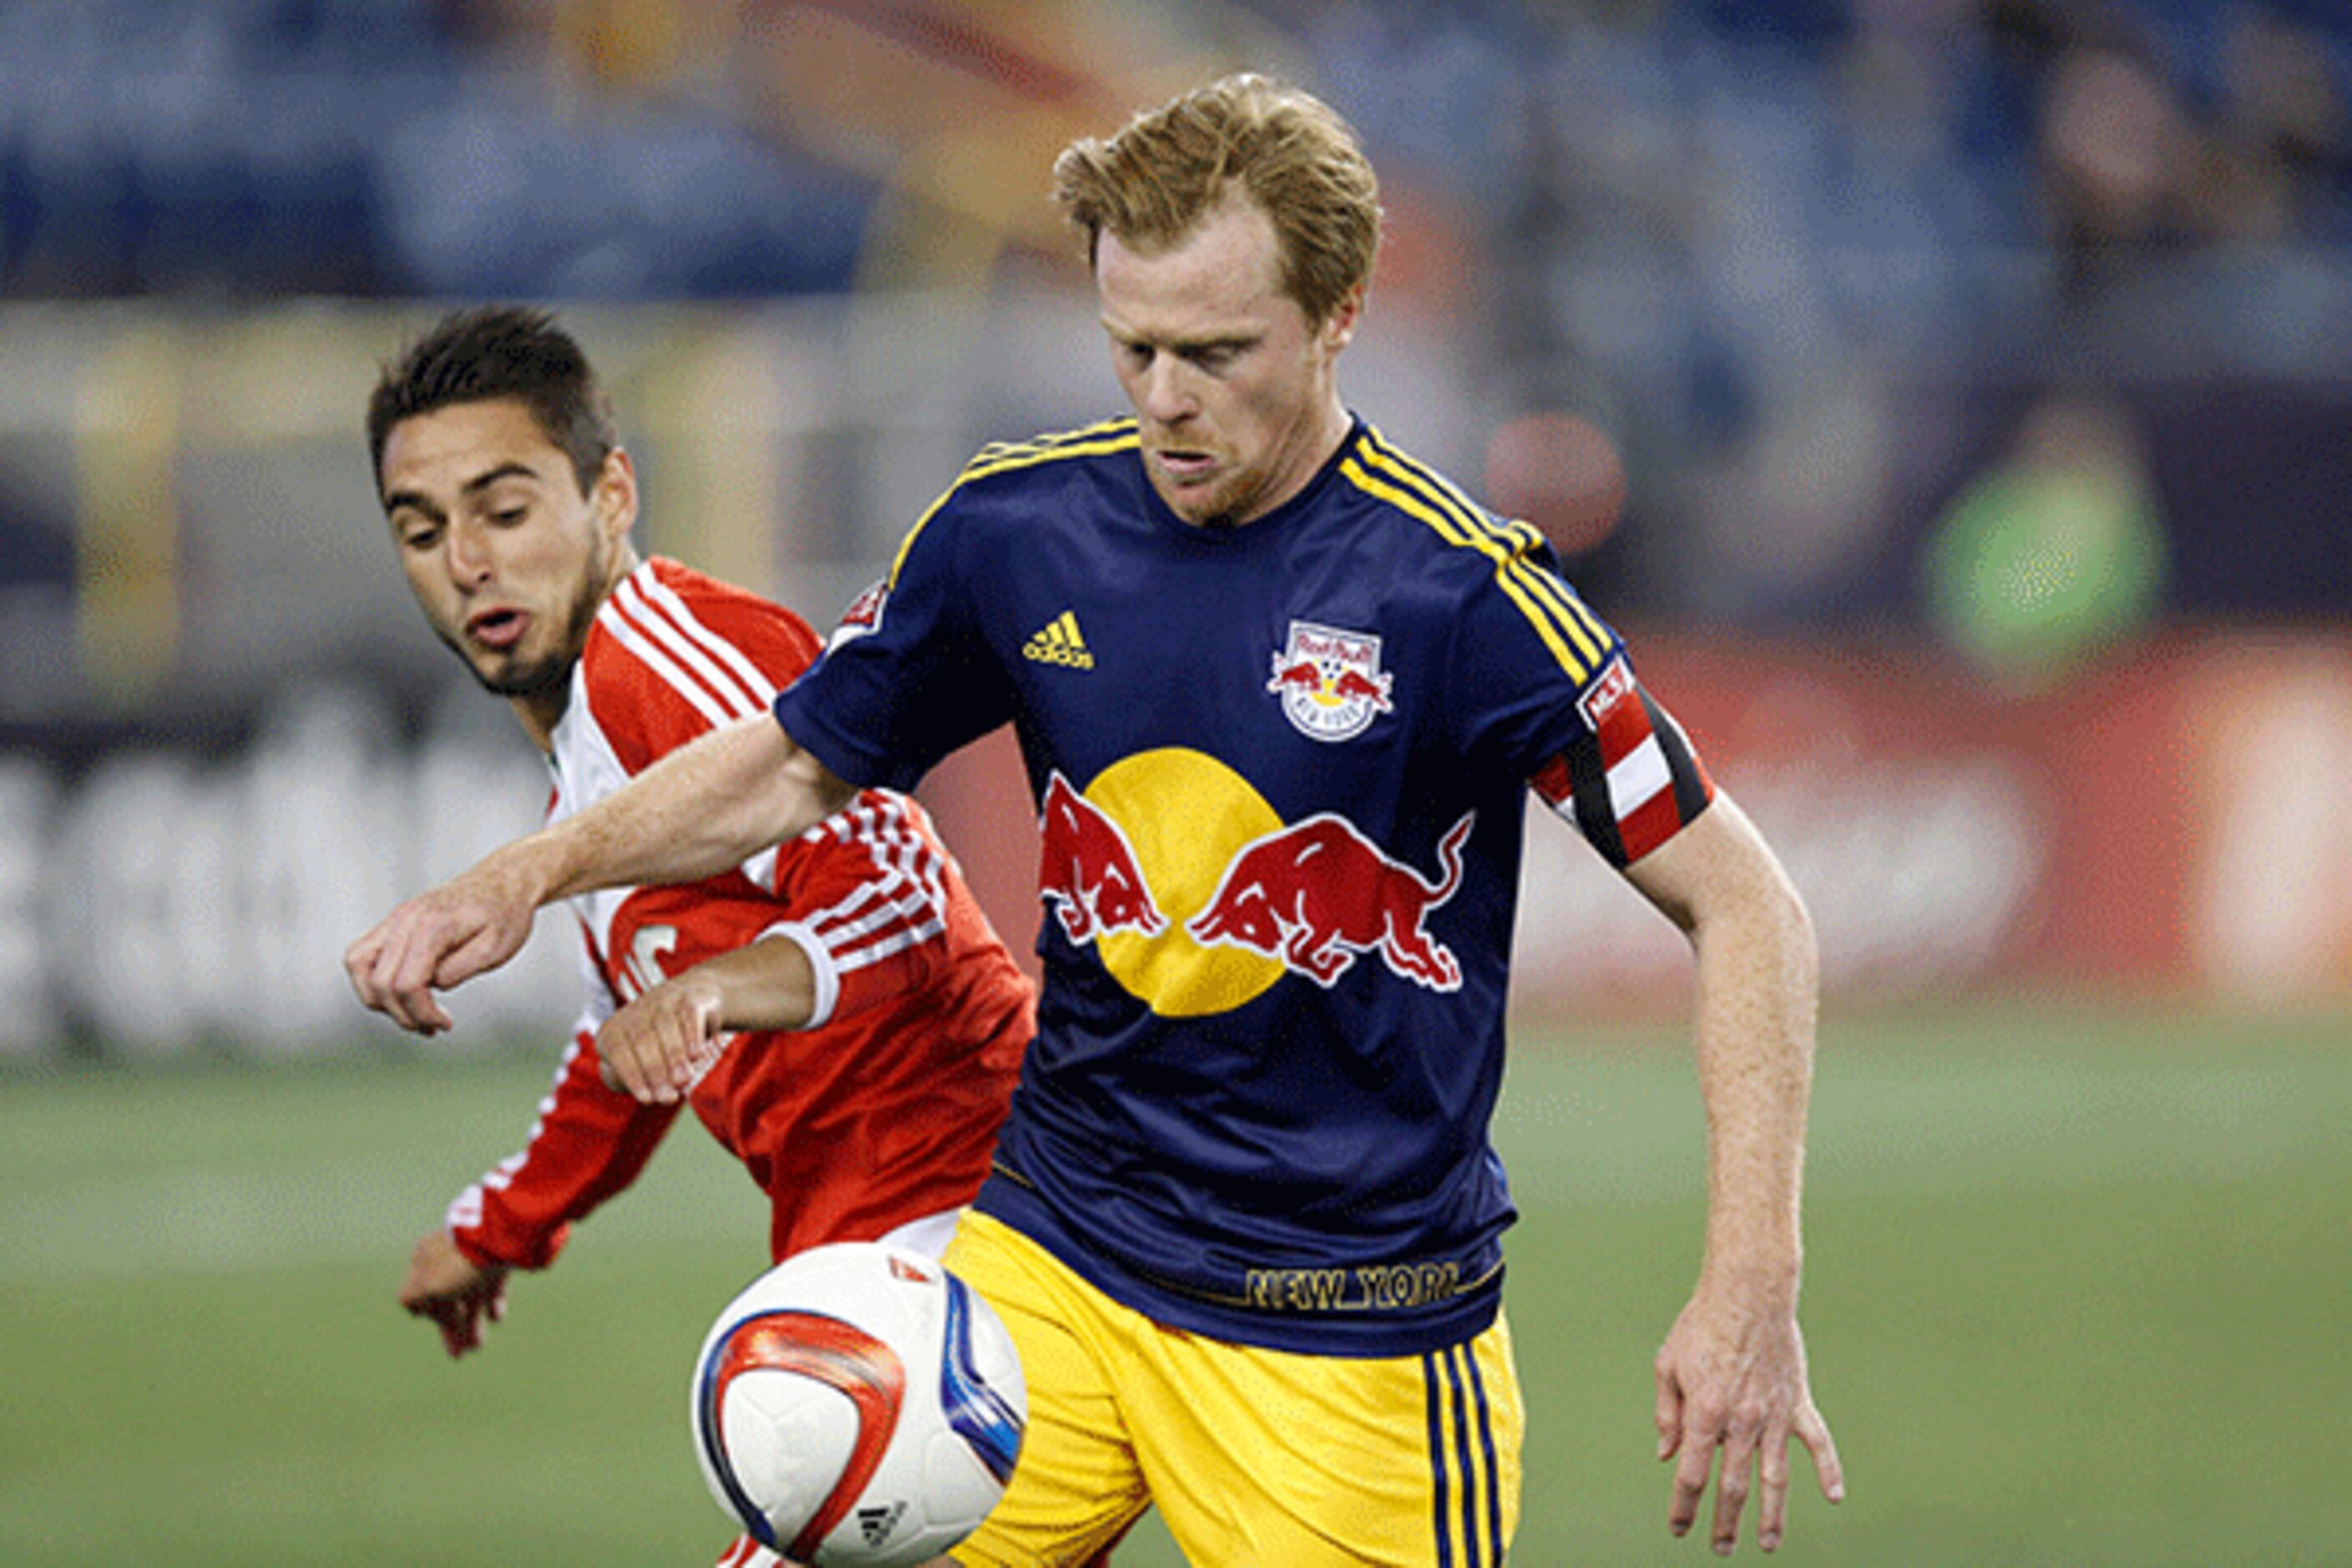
x=698, y=811
x=1758, y=988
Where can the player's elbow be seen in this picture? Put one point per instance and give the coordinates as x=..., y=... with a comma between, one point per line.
x=1749, y=902
x=792, y=788
x=1762, y=897
x=1791, y=925
x=738, y=790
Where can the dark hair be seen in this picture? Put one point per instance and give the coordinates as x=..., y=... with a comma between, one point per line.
x=500, y=350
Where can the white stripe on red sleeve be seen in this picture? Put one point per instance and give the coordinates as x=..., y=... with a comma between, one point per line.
x=661, y=595
x=636, y=641
x=900, y=907
x=466, y=1209
x=682, y=656
x=904, y=906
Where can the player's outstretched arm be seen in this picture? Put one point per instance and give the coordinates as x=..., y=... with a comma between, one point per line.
x=659, y=1044
x=459, y=1294
x=1731, y=1374
x=700, y=809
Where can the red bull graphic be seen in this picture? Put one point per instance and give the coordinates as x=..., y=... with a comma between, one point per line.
x=1303, y=676
x=1087, y=871
x=1330, y=681
x=1317, y=893
x=1354, y=684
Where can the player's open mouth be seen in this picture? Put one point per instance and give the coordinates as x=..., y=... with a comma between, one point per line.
x=1184, y=466
x=498, y=628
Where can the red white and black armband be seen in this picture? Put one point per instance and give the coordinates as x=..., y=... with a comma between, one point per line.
x=1631, y=780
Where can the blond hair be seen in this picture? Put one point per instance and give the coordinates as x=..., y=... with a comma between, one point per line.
x=1286, y=151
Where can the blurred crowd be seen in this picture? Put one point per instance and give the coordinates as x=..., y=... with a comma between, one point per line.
x=2024, y=320
x=2021, y=319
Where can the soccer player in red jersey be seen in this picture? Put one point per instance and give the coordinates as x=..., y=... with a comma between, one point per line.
x=855, y=1023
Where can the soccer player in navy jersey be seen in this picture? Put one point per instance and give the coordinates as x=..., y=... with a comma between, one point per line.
x=1280, y=689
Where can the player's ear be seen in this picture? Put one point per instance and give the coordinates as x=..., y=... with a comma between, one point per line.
x=615, y=496
x=1338, y=328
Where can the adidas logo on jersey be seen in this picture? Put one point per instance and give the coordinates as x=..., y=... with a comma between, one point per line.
x=1060, y=643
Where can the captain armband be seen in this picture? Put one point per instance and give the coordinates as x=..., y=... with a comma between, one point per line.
x=1631, y=780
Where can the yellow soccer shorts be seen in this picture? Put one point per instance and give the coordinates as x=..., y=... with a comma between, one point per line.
x=1255, y=1456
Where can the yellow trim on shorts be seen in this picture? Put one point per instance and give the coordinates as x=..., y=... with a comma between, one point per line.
x=1253, y=1456
x=1467, y=1487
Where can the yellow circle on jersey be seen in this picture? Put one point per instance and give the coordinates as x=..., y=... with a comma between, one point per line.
x=1186, y=816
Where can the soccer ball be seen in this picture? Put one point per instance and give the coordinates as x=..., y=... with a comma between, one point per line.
x=859, y=1407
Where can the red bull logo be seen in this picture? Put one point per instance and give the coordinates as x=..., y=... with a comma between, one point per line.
x=1303, y=676
x=1088, y=872
x=1350, y=685
x=1330, y=681
x=1197, y=897
x=1318, y=893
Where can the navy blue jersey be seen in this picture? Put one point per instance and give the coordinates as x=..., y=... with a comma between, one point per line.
x=1280, y=773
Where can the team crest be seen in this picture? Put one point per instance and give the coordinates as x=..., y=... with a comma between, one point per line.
x=864, y=614
x=1330, y=681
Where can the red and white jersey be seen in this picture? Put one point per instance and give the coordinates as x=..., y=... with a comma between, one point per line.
x=884, y=1108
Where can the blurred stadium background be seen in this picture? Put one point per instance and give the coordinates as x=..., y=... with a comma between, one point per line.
x=1952, y=398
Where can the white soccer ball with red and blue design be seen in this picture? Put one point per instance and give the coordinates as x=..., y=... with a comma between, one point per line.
x=859, y=1407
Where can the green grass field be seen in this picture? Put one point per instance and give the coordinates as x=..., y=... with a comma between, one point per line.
x=2079, y=1291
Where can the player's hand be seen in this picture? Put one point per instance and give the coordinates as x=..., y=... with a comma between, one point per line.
x=441, y=939
x=459, y=1294
x=659, y=1045
x=1732, y=1378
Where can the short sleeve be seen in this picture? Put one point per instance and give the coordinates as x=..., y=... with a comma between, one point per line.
x=1546, y=689
x=1526, y=651
x=673, y=653
x=907, y=677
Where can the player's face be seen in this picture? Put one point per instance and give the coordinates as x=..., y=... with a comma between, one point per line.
x=508, y=559
x=1234, y=388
